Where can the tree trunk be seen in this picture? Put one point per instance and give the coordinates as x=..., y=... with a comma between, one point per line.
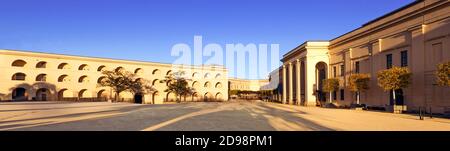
x=331, y=97
x=393, y=96
x=358, y=95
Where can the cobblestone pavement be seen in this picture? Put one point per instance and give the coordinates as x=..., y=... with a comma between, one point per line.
x=211, y=116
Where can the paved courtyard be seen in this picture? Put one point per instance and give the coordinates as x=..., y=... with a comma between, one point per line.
x=229, y=116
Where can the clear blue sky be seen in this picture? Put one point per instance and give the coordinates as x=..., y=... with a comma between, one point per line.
x=147, y=29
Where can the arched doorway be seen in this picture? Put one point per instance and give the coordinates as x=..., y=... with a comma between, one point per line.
x=43, y=94
x=208, y=97
x=138, y=98
x=195, y=97
x=155, y=97
x=61, y=94
x=171, y=97
x=219, y=96
x=102, y=95
x=19, y=94
x=321, y=74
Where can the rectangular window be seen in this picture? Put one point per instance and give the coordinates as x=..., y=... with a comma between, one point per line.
x=389, y=61
x=404, y=58
x=334, y=95
x=342, y=94
x=342, y=70
x=357, y=67
x=334, y=71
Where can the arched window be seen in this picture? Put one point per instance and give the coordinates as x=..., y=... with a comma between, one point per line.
x=63, y=78
x=83, y=79
x=218, y=76
x=101, y=68
x=63, y=66
x=82, y=93
x=41, y=77
x=41, y=64
x=207, y=85
x=119, y=69
x=19, y=63
x=195, y=84
x=156, y=71
x=155, y=82
x=218, y=85
x=101, y=79
x=169, y=72
x=139, y=71
x=19, y=76
x=195, y=75
x=84, y=67
x=207, y=75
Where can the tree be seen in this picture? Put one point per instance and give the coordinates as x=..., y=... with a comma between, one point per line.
x=119, y=81
x=394, y=79
x=443, y=74
x=178, y=84
x=330, y=85
x=358, y=83
x=141, y=86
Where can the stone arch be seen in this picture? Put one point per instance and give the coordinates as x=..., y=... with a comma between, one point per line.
x=19, y=76
x=41, y=77
x=195, y=97
x=83, y=79
x=119, y=69
x=207, y=84
x=218, y=76
x=321, y=74
x=156, y=71
x=155, y=82
x=18, y=63
x=41, y=64
x=156, y=98
x=101, y=68
x=139, y=71
x=64, y=78
x=43, y=94
x=83, y=67
x=218, y=85
x=171, y=97
x=63, y=66
x=63, y=93
x=19, y=94
x=195, y=75
x=102, y=95
x=169, y=72
x=207, y=75
x=195, y=84
x=219, y=96
x=83, y=93
x=207, y=97
x=100, y=79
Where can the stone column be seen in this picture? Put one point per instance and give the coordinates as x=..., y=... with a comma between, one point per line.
x=284, y=85
x=299, y=99
x=291, y=83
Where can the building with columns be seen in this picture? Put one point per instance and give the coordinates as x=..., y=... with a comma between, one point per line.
x=416, y=36
x=55, y=77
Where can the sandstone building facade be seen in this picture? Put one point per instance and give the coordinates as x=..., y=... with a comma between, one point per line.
x=416, y=36
x=42, y=76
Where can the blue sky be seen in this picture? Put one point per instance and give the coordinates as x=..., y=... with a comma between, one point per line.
x=147, y=29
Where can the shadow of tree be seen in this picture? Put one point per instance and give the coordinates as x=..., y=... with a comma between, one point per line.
x=31, y=90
